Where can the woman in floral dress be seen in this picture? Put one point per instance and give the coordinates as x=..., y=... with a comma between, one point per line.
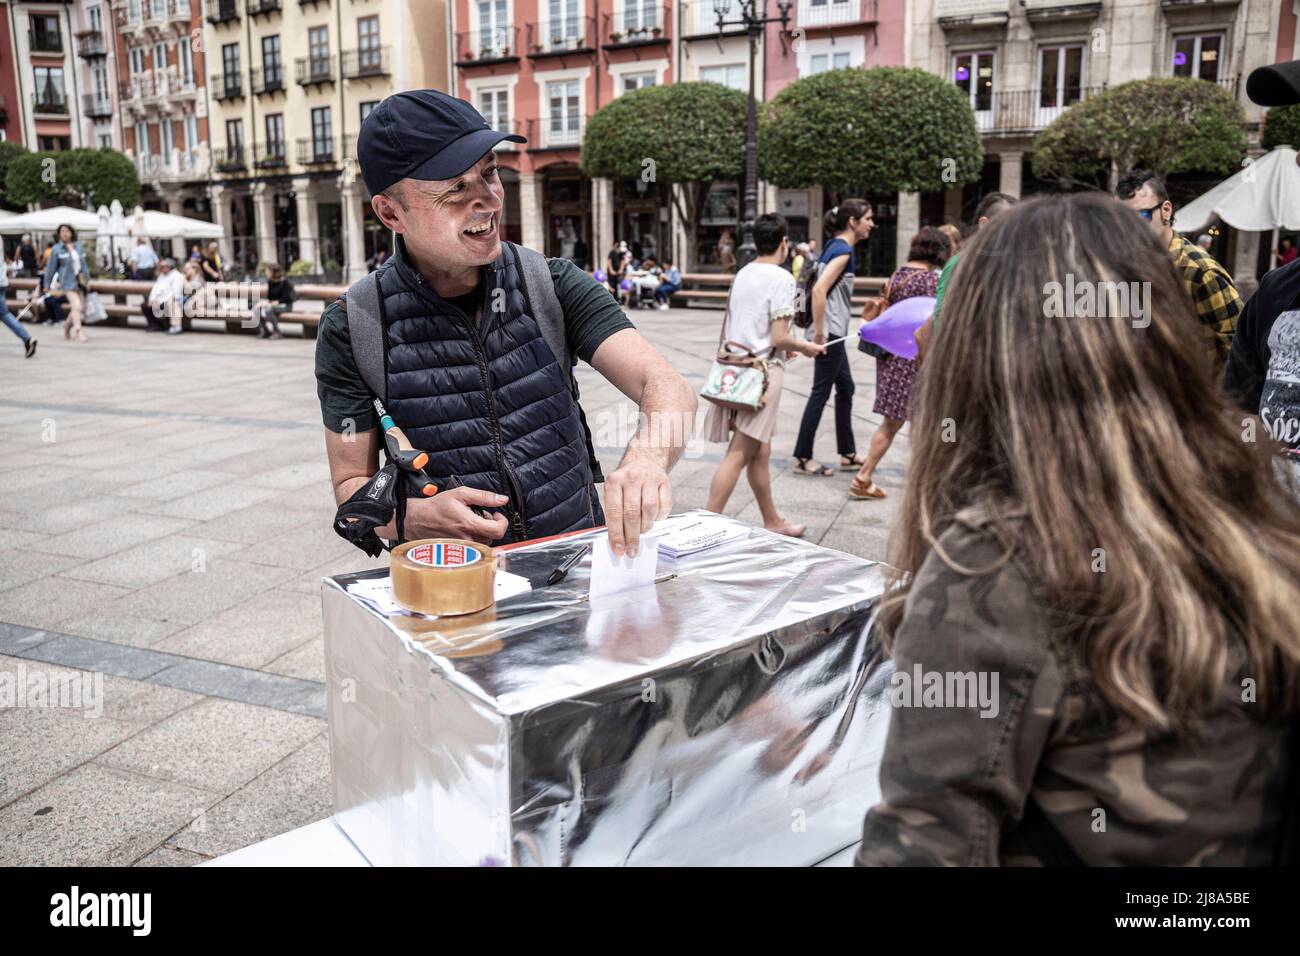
x=919, y=276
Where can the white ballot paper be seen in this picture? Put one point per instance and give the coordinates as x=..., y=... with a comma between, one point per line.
x=378, y=592
x=610, y=575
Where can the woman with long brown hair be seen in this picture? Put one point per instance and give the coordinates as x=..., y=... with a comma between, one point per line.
x=1096, y=625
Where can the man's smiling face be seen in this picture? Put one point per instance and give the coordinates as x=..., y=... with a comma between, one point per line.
x=455, y=223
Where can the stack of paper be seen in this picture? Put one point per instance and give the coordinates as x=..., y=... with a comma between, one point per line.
x=691, y=534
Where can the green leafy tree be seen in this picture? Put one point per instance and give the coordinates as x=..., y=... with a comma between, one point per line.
x=1282, y=127
x=1169, y=125
x=684, y=134
x=9, y=151
x=885, y=129
x=85, y=178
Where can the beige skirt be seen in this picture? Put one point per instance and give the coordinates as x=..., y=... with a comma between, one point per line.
x=759, y=425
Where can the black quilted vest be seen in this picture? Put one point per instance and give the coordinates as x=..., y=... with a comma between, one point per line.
x=490, y=406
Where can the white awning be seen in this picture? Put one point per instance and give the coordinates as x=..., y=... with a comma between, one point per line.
x=1260, y=197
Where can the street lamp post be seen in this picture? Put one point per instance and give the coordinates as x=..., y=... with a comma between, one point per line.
x=753, y=17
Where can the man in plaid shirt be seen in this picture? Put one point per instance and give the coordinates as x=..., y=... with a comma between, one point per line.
x=1208, y=283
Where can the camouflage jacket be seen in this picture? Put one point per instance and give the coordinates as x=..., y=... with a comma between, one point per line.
x=1050, y=777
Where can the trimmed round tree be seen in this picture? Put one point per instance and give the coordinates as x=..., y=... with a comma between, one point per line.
x=1281, y=127
x=84, y=178
x=1169, y=125
x=885, y=129
x=684, y=134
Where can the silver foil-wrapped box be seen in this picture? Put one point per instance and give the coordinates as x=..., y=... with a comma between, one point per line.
x=734, y=713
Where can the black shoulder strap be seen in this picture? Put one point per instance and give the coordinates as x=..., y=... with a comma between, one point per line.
x=366, y=330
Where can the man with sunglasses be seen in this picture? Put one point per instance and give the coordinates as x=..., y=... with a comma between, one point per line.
x=1213, y=293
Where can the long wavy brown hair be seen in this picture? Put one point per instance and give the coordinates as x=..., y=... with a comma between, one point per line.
x=1086, y=432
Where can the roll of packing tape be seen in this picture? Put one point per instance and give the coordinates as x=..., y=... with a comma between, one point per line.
x=443, y=576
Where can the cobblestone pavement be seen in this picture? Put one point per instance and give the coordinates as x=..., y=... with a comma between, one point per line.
x=163, y=532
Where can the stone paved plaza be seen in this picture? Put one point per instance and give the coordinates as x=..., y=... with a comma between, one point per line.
x=165, y=523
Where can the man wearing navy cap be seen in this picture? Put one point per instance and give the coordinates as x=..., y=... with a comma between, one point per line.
x=469, y=343
x=1263, y=372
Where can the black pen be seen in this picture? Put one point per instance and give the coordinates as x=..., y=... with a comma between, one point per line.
x=559, y=573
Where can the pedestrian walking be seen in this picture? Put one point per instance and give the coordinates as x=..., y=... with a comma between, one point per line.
x=847, y=224
x=727, y=251
x=618, y=260
x=1083, y=520
x=991, y=205
x=29, y=343
x=895, y=375
x=758, y=318
x=144, y=261
x=27, y=256
x=66, y=270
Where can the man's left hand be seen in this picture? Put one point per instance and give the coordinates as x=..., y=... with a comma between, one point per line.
x=637, y=495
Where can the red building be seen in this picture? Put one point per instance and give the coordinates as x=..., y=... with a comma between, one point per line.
x=11, y=127
x=541, y=67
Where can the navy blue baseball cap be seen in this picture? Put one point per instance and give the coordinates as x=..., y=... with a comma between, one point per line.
x=423, y=134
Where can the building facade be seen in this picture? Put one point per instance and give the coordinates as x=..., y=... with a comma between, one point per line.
x=289, y=84
x=48, y=87
x=11, y=112
x=93, y=26
x=542, y=67
x=162, y=105
x=1022, y=62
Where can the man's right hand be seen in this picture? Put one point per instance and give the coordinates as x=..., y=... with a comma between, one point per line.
x=448, y=514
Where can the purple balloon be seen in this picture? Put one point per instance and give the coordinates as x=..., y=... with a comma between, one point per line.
x=599, y=275
x=894, y=330
x=626, y=285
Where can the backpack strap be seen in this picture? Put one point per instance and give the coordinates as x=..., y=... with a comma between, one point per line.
x=539, y=289
x=366, y=332
x=544, y=305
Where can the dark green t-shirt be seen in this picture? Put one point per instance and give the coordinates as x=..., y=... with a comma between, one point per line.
x=591, y=315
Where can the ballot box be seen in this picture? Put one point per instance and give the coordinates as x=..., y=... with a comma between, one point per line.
x=731, y=713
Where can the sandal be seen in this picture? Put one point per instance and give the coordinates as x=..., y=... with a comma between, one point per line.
x=801, y=468
x=860, y=492
x=851, y=462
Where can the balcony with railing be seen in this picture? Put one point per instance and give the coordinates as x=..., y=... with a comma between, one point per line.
x=485, y=47
x=227, y=86
x=270, y=155
x=571, y=35
x=317, y=152
x=1009, y=112
x=700, y=21
x=263, y=81
x=638, y=25
x=365, y=62
x=221, y=11
x=49, y=103
x=96, y=106
x=91, y=45
x=179, y=164
x=313, y=70
x=42, y=42
x=556, y=132
x=811, y=14
x=257, y=8
x=230, y=159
